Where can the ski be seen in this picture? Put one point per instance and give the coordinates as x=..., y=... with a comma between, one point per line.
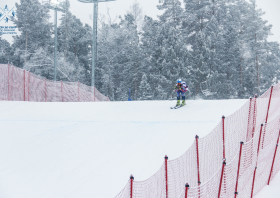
x=177, y=107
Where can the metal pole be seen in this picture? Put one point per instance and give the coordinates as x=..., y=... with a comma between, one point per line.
x=61, y=91
x=55, y=41
x=28, y=84
x=254, y=116
x=131, y=186
x=45, y=90
x=236, y=186
x=273, y=158
x=249, y=119
x=23, y=85
x=222, y=175
x=224, y=152
x=94, y=35
x=269, y=103
x=166, y=177
x=186, y=192
x=252, y=191
x=8, y=82
x=78, y=91
x=197, y=160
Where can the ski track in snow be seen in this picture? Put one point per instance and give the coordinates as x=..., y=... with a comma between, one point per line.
x=90, y=149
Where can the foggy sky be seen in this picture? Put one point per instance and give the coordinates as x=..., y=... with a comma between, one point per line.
x=120, y=7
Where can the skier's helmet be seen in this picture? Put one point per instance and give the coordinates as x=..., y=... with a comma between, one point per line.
x=179, y=81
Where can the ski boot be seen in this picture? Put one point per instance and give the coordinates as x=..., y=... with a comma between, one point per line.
x=183, y=101
x=178, y=102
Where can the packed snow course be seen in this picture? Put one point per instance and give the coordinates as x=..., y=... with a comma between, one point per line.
x=82, y=150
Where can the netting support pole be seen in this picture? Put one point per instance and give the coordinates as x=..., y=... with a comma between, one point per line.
x=271, y=90
x=11, y=82
x=166, y=176
x=264, y=130
x=45, y=90
x=23, y=85
x=249, y=118
x=28, y=84
x=224, y=152
x=78, y=91
x=236, y=186
x=273, y=158
x=222, y=175
x=61, y=90
x=186, y=192
x=254, y=116
x=8, y=82
x=252, y=191
x=131, y=186
x=197, y=160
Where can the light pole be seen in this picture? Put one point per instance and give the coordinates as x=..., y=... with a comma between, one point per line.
x=94, y=39
x=53, y=5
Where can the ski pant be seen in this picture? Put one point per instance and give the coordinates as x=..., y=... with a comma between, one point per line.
x=182, y=93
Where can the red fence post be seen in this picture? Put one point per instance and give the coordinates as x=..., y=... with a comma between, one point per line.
x=8, y=82
x=28, y=84
x=273, y=159
x=249, y=119
x=197, y=160
x=186, y=192
x=166, y=175
x=269, y=103
x=224, y=152
x=131, y=186
x=45, y=90
x=254, y=116
x=264, y=130
x=61, y=90
x=78, y=91
x=240, y=153
x=23, y=85
x=252, y=192
x=11, y=83
x=222, y=175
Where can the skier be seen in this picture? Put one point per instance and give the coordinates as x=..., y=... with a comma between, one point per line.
x=180, y=88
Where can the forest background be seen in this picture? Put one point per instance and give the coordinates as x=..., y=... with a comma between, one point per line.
x=220, y=44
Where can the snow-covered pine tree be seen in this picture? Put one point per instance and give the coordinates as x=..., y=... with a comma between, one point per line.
x=145, y=89
x=164, y=47
x=32, y=20
x=119, y=62
x=74, y=45
x=5, y=51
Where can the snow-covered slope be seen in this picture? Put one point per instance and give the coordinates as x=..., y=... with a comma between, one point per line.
x=90, y=149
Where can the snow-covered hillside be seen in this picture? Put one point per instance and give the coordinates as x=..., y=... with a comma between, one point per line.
x=90, y=149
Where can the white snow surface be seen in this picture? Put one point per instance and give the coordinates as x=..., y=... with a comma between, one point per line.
x=86, y=150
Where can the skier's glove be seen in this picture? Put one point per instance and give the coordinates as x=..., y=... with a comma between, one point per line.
x=177, y=88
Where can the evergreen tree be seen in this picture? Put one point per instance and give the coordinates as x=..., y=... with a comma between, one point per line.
x=5, y=51
x=145, y=89
x=74, y=45
x=35, y=30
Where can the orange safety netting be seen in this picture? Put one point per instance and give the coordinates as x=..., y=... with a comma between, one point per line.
x=20, y=85
x=246, y=141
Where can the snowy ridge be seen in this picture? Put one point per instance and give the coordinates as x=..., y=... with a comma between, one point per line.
x=79, y=149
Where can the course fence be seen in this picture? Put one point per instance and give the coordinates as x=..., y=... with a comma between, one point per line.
x=237, y=159
x=20, y=85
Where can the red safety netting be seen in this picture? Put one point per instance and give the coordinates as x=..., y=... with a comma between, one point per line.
x=20, y=85
x=238, y=158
